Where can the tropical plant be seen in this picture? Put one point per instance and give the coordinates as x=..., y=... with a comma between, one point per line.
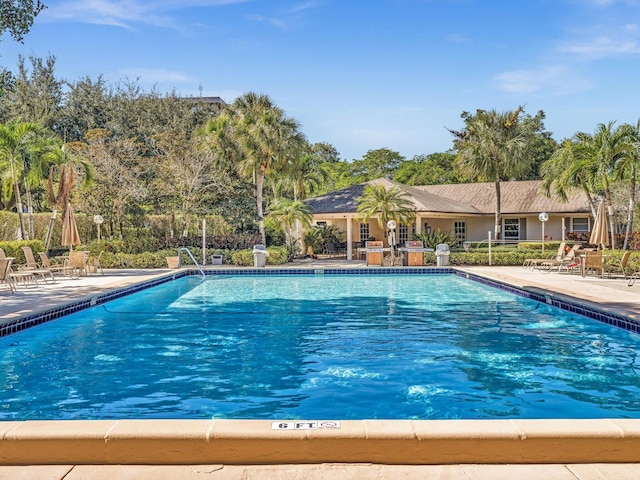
x=262, y=139
x=385, y=205
x=626, y=168
x=606, y=146
x=431, y=239
x=290, y=213
x=21, y=149
x=494, y=146
x=320, y=235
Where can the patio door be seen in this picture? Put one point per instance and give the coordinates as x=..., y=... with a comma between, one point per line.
x=511, y=229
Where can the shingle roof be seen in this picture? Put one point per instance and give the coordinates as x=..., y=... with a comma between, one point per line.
x=470, y=198
x=517, y=197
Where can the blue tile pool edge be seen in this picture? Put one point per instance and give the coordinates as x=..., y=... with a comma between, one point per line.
x=561, y=301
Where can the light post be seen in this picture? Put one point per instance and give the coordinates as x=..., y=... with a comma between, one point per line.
x=98, y=221
x=543, y=217
x=391, y=225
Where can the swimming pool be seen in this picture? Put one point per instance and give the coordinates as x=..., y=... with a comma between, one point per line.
x=320, y=346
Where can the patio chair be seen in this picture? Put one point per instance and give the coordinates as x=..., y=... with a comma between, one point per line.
x=617, y=265
x=534, y=262
x=93, y=263
x=54, y=266
x=592, y=262
x=5, y=273
x=78, y=262
x=565, y=262
x=34, y=267
x=2, y=254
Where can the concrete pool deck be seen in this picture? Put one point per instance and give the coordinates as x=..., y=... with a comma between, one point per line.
x=220, y=449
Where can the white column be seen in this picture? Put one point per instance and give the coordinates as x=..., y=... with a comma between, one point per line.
x=349, y=238
x=418, y=223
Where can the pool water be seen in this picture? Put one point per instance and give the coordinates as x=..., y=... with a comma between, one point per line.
x=320, y=347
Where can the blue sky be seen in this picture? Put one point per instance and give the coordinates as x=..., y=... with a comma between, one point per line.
x=362, y=74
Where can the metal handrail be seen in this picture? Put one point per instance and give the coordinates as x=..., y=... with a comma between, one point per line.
x=185, y=249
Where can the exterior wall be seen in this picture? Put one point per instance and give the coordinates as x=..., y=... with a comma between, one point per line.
x=477, y=228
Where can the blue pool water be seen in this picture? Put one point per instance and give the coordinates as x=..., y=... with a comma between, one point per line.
x=320, y=347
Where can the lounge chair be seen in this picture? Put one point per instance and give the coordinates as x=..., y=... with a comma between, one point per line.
x=617, y=265
x=2, y=254
x=34, y=267
x=534, y=262
x=5, y=273
x=54, y=266
x=560, y=263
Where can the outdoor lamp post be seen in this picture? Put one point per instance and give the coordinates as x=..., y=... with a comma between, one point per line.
x=391, y=225
x=543, y=217
x=98, y=221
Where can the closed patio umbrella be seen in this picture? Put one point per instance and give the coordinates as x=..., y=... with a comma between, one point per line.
x=600, y=231
x=70, y=235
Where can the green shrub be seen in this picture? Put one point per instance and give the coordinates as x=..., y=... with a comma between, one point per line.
x=244, y=258
x=14, y=249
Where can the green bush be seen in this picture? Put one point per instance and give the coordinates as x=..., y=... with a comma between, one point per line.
x=14, y=249
x=244, y=258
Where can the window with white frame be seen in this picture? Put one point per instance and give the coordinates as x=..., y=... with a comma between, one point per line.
x=580, y=225
x=460, y=231
x=364, y=232
x=405, y=233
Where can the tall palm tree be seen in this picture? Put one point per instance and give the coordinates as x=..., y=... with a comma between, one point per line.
x=567, y=169
x=20, y=147
x=626, y=168
x=493, y=146
x=385, y=204
x=261, y=137
x=606, y=146
x=306, y=173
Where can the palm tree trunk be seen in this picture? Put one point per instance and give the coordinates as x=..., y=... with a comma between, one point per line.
x=29, y=211
x=259, y=186
x=498, y=220
x=632, y=205
x=16, y=191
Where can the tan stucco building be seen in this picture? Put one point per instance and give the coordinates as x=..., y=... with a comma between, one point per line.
x=466, y=210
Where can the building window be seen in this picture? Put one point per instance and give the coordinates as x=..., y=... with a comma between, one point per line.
x=512, y=229
x=405, y=233
x=460, y=231
x=364, y=232
x=580, y=225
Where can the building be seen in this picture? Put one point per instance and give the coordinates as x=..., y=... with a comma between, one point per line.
x=466, y=210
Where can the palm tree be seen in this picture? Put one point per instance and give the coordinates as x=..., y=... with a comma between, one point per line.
x=20, y=148
x=602, y=150
x=307, y=174
x=626, y=167
x=385, y=204
x=566, y=169
x=290, y=213
x=493, y=147
x=261, y=137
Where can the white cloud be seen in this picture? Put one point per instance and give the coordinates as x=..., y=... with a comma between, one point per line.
x=125, y=13
x=552, y=80
x=602, y=47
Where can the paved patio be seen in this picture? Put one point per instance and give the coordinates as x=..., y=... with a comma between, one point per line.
x=609, y=294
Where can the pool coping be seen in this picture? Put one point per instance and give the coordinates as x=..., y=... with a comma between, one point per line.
x=244, y=442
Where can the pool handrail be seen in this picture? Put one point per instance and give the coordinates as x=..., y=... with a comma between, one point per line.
x=185, y=249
